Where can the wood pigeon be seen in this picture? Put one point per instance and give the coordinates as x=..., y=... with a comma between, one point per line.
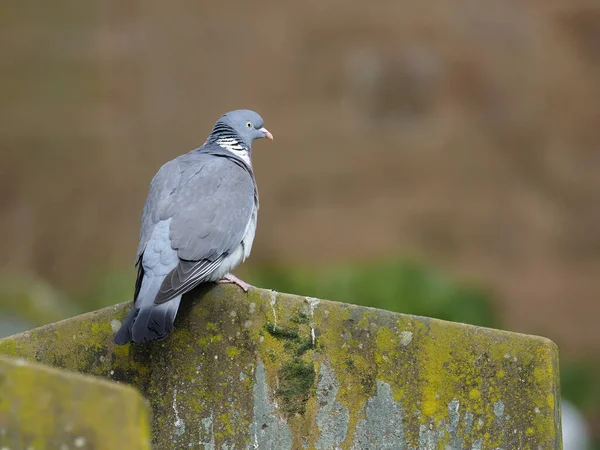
x=198, y=224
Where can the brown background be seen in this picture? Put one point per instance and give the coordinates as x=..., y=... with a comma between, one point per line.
x=465, y=134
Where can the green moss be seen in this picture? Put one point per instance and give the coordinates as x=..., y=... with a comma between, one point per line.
x=293, y=342
x=281, y=332
x=297, y=379
x=303, y=345
x=232, y=352
x=300, y=317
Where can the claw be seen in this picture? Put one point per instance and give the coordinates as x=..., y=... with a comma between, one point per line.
x=230, y=278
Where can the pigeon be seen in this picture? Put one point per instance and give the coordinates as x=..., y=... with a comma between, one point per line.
x=198, y=224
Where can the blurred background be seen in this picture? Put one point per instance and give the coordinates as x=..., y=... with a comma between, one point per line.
x=430, y=157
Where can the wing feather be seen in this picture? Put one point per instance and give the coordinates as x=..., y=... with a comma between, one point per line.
x=162, y=188
x=185, y=277
x=209, y=212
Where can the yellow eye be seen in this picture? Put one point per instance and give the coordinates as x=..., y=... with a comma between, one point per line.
x=249, y=124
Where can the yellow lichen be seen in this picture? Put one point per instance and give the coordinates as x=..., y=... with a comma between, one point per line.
x=474, y=394
x=232, y=352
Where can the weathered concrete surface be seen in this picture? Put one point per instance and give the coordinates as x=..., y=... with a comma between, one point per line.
x=42, y=408
x=276, y=371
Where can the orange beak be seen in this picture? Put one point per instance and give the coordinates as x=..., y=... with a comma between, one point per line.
x=267, y=133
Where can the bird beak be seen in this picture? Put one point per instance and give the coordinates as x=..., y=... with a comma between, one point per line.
x=267, y=133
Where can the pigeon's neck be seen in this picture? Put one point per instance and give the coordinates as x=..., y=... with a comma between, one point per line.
x=226, y=137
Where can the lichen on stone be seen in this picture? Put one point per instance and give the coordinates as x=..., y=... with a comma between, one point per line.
x=243, y=369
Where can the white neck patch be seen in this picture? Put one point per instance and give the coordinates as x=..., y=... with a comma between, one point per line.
x=233, y=146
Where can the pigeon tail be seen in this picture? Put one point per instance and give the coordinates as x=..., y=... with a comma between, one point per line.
x=147, y=321
x=123, y=336
x=154, y=323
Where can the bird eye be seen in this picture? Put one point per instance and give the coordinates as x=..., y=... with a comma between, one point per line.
x=249, y=124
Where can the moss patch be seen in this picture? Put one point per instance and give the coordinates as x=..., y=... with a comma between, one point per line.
x=297, y=383
x=281, y=332
x=294, y=343
x=300, y=317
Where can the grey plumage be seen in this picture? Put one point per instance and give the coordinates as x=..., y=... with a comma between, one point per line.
x=198, y=224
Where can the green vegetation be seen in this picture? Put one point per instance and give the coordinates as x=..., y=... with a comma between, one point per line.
x=297, y=379
x=281, y=332
x=399, y=286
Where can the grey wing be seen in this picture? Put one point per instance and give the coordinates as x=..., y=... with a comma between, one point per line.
x=210, y=212
x=162, y=188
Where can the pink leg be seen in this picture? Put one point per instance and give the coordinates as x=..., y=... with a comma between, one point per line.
x=230, y=278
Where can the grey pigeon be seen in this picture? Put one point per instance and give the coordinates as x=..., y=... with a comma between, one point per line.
x=198, y=224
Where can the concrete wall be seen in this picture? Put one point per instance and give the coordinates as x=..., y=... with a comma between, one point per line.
x=276, y=371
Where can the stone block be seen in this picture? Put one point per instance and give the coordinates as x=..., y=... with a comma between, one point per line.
x=43, y=408
x=266, y=370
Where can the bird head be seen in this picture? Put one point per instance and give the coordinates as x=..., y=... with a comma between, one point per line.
x=247, y=124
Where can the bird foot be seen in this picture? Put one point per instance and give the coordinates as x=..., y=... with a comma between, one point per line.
x=230, y=278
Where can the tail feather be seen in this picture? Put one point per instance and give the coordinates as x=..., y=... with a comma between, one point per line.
x=155, y=322
x=123, y=336
x=147, y=321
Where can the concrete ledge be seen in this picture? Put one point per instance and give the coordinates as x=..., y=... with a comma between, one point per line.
x=276, y=371
x=44, y=408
